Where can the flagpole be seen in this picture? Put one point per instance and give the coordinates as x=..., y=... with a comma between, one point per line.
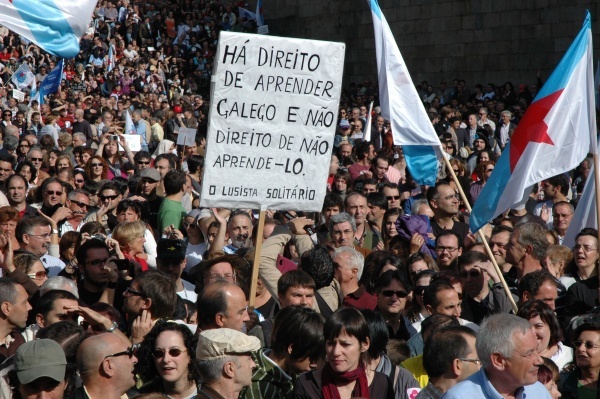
x=488, y=250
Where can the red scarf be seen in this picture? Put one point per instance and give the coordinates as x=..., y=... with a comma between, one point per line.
x=329, y=389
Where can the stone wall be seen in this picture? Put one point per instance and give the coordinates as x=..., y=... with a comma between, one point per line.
x=478, y=40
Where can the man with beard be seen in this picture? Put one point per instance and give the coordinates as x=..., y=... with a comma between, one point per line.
x=444, y=203
x=99, y=274
x=171, y=260
x=239, y=229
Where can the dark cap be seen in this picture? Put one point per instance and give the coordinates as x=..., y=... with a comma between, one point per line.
x=170, y=249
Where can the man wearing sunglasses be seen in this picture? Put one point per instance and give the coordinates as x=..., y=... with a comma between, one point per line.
x=78, y=203
x=479, y=300
x=106, y=366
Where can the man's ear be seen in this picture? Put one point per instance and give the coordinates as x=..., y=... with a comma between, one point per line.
x=498, y=361
x=220, y=319
x=6, y=308
x=146, y=304
x=39, y=319
x=526, y=296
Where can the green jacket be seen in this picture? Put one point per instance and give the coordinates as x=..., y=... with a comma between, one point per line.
x=269, y=381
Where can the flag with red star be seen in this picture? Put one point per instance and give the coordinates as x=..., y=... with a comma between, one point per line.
x=553, y=137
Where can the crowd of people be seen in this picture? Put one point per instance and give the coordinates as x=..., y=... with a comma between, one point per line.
x=115, y=281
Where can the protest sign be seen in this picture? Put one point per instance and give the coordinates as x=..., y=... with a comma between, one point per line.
x=134, y=142
x=186, y=136
x=272, y=122
x=18, y=95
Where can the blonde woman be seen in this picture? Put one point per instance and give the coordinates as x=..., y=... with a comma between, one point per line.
x=131, y=239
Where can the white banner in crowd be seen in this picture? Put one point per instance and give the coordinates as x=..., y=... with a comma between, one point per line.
x=272, y=122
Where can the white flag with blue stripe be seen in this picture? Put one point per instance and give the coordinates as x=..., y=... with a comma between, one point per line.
x=55, y=26
x=401, y=105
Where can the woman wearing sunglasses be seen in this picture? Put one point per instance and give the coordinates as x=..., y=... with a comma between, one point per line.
x=96, y=168
x=32, y=266
x=167, y=361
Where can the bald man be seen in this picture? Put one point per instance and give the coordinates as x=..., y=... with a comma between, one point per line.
x=105, y=363
x=223, y=305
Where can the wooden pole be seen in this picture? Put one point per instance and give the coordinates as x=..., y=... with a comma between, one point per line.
x=488, y=250
x=597, y=191
x=255, y=267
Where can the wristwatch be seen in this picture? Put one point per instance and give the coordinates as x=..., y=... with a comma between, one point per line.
x=54, y=231
x=114, y=326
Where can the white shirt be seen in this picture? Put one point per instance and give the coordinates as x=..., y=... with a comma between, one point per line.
x=188, y=291
x=52, y=264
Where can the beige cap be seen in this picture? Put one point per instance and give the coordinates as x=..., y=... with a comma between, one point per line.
x=223, y=342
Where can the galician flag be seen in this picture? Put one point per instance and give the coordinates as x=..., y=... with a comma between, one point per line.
x=553, y=137
x=22, y=77
x=111, y=61
x=401, y=105
x=55, y=26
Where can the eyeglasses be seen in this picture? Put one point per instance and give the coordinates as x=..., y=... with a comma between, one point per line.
x=80, y=204
x=226, y=276
x=392, y=197
x=98, y=262
x=95, y=165
x=473, y=273
x=587, y=344
x=79, y=181
x=173, y=352
x=38, y=275
x=450, y=197
x=108, y=197
x=24, y=146
x=391, y=293
x=50, y=192
x=586, y=248
x=489, y=170
x=447, y=249
x=482, y=114
x=190, y=225
x=128, y=352
x=144, y=162
x=476, y=361
x=561, y=215
x=132, y=292
x=35, y=159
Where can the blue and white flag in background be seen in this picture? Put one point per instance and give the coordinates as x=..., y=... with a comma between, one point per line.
x=111, y=62
x=55, y=26
x=401, y=105
x=243, y=13
x=260, y=20
x=553, y=137
x=51, y=83
x=22, y=77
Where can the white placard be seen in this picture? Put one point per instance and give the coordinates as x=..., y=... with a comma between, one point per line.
x=18, y=95
x=272, y=122
x=186, y=136
x=151, y=49
x=134, y=142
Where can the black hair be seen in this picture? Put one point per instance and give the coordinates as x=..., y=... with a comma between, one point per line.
x=531, y=282
x=317, y=263
x=348, y=320
x=294, y=278
x=195, y=162
x=448, y=343
x=430, y=295
x=386, y=279
x=45, y=303
x=331, y=200
x=302, y=329
x=174, y=182
x=377, y=199
x=378, y=333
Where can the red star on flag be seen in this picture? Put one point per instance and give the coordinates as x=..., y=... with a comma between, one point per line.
x=532, y=128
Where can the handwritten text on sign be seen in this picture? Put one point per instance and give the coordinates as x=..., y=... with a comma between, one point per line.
x=272, y=122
